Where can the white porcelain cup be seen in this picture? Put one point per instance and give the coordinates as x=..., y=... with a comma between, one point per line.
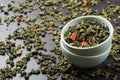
x=93, y=50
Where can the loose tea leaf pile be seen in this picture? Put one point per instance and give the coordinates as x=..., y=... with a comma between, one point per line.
x=31, y=48
x=86, y=33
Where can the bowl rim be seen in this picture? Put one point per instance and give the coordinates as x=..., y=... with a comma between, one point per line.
x=83, y=17
x=69, y=52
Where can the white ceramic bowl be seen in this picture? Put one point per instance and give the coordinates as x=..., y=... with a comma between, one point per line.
x=89, y=51
x=84, y=61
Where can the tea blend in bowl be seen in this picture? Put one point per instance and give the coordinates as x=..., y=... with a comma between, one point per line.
x=87, y=33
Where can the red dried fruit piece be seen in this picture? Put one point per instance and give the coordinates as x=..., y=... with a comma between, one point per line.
x=50, y=32
x=85, y=2
x=23, y=19
x=73, y=36
x=84, y=43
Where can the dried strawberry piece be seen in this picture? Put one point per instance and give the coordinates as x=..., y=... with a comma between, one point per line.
x=84, y=43
x=85, y=2
x=73, y=36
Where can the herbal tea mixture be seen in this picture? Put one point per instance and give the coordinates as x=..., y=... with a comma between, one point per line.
x=30, y=36
x=86, y=33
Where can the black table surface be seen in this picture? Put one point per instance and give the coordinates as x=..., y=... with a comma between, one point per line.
x=5, y=31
